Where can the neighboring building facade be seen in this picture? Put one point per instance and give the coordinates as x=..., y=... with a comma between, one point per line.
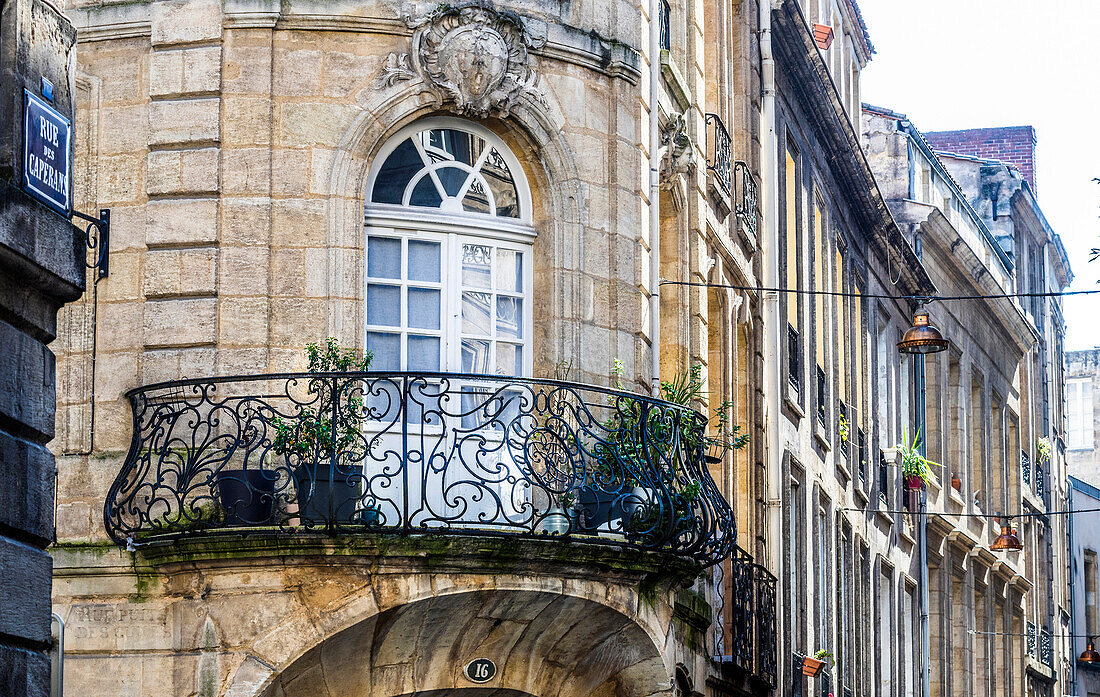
x=1082, y=412
x=998, y=620
x=1084, y=545
x=41, y=268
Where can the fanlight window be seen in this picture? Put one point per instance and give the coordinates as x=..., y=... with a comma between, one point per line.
x=452, y=170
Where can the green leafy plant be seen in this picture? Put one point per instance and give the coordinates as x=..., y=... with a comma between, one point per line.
x=313, y=430
x=1043, y=448
x=913, y=464
x=823, y=655
x=845, y=428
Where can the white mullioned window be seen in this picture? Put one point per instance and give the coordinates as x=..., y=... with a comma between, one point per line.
x=448, y=253
x=1079, y=409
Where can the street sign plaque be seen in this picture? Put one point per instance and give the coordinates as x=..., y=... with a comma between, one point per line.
x=47, y=159
x=480, y=670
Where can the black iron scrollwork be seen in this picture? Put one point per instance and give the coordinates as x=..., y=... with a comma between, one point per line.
x=418, y=452
x=745, y=617
x=97, y=235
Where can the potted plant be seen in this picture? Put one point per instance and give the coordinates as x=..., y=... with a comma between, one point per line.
x=329, y=488
x=813, y=665
x=956, y=483
x=1042, y=448
x=915, y=468
x=845, y=428
x=246, y=495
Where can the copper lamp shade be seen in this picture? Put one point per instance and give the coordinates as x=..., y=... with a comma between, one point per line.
x=1006, y=541
x=922, y=337
x=1089, y=655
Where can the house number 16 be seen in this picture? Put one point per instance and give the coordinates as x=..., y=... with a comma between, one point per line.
x=480, y=670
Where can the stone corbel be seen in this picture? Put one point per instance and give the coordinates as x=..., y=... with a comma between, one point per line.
x=677, y=158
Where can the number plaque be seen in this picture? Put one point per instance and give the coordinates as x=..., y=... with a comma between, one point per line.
x=480, y=670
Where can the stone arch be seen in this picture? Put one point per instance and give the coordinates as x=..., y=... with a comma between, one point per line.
x=545, y=644
x=534, y=132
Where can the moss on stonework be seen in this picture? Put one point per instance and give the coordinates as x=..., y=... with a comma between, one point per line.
x=479, y=553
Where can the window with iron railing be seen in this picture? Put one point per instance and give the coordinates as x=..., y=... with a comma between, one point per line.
x=1040, y=482
x=1032, y=639
x=745, y=195
x=1046, y=648
x=1025, y=467
x=794, y=363
x=822, y=403
x=863, y=455
x=883, y=479
x=664, y=18
x=719, y=159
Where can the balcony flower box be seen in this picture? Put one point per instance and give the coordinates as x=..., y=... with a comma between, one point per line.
x=812, y=667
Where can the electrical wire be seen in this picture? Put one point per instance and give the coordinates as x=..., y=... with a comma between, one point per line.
x=878, y=296
x=1002, y=516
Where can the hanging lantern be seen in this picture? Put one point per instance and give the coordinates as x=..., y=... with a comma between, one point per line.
x=922, y=337
x=1007, y=541
x=1089, y=655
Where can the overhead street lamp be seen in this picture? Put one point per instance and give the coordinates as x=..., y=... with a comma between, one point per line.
x=920, y=339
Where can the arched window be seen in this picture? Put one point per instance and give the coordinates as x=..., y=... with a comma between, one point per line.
x=448, y=253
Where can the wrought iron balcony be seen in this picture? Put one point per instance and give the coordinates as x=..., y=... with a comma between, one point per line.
x=745, y=195
x=1046, y=648
x=1025, y=467
x=346, y=453
x=719, y=158
x=1032, y=639
x=664, y=19
x=794, y=358
x=822, y=396
x=745, y=617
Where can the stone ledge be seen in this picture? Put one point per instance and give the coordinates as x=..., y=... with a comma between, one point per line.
x=439, y=552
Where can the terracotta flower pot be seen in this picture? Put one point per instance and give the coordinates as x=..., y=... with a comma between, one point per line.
x=956, y=483
x=812, y=667
x=912, y=481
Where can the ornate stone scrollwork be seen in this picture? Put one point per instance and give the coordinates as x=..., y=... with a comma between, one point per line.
x=469, y=56
x=677, y=154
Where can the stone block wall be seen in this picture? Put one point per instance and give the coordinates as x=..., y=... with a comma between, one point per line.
x=41, y=267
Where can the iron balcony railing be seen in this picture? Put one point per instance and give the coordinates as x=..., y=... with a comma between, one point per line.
x=1046, y=648
x=1025, y=467
x=884, y=479
x=1032, y=639
x=1040, y=482
x=822, y=397
x=418, y=452
x=862, y=455
x=745, y=632
x=664, y=25
x=794, y=357
x=745, y=195
x=719, y=158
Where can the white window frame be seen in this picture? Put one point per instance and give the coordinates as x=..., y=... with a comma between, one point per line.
x=452, y=229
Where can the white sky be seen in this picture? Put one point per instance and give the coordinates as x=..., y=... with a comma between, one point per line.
x=951, y=64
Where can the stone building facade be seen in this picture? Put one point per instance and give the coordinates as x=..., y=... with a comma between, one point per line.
x=994, y=412
x=1082, y=410
x=465, y=190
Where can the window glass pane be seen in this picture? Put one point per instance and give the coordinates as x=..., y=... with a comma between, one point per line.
x=476, y=265
x=452, y=179
x=496, y=173
x=510, y=318
x=383, y=257
x=425, y=194
x=396, y=173
x=424, y=261
x=387, y=350
x=509, y=359
x=475, y=313
x=509, y=270
x=423, y=353
x=476, y=200
x=448, y=144
x=424, y=308
x=384, y=305
x=475, y=356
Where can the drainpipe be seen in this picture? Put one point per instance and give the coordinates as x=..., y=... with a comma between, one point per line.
x=654, y=198
x=770, y=245
x=57, y=665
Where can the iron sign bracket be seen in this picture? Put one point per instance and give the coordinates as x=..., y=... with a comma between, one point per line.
x=97, y=235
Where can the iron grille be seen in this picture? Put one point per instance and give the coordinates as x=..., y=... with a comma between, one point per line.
x=1046, y=648
x=745, y=195
x=407, y=453
x=861, y=466
x=821, y=396
x=883, y=479
x=664, y=27
x=1025, y=467
x=719, y=159
x=1040, y=482
x=766, y=665
x=794, y=364
x=745, y=623
x=1032, y=639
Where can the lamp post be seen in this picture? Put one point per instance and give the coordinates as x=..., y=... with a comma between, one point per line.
x=918, y=340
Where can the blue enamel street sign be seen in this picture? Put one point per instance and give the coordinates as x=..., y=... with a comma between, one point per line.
x=46, y=154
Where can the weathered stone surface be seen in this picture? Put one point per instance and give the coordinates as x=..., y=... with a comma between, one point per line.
x=26, y=498
x=184, y=121
x=184, y=72
x=185, y=21
x=27, y=382
x=24, y=673
x=180, y=322
x=181, y=222
x=182, y=172
x=25, y=592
